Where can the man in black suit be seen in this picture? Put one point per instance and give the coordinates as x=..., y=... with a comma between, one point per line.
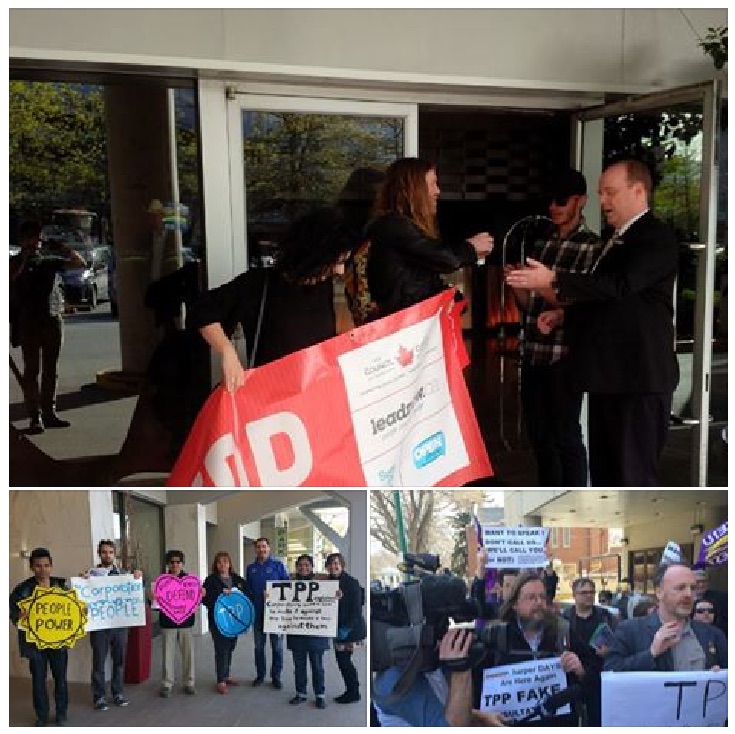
x=668, y=640
x=619, y=322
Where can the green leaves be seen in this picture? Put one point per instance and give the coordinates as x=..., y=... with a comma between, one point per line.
x=714, y=44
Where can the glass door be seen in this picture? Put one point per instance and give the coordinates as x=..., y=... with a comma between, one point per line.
x=290, y=155
x=679, y=132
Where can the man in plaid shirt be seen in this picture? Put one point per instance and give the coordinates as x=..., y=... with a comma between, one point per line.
x=551, y=407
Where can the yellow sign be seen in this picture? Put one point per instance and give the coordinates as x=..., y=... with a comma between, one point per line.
x=54, y=618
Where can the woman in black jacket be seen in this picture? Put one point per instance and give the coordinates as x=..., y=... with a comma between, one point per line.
x=407, y=258
x=296, y=297
x=222, y=580
x=350, y=626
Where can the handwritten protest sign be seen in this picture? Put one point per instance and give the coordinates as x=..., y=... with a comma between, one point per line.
x=54, y=618
x=112, y=601
x=515, y=690
x=521, y=547
x=392, y=393
x=665, y=699
x=233, y=613
x=713, y=549
x=301, y=608
x=178, y=597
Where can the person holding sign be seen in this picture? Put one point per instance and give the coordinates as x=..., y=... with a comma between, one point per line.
x=351, y=627
x=41, y=660
x=222, y=580
x=590, y=633
x=304, y=646
x=177, y=632
x=113, y=640
x=668, y=639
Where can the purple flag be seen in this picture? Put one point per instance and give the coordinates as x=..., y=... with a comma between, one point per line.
x=713, y=550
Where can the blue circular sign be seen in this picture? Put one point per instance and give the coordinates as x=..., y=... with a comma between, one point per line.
x=233, y=613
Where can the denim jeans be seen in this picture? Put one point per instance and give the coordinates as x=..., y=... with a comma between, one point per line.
x=116, y=641
x=316, y=658
x=277, y=649
x=223, y=649
x=40, y=661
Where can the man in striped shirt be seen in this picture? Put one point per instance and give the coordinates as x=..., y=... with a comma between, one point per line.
x=551, y=407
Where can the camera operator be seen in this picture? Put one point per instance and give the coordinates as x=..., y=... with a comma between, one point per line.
x=440, y=697
x=533, y=632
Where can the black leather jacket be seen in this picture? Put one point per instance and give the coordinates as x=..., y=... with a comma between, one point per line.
x=405, y=265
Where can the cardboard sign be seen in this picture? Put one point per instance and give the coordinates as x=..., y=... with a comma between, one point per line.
x=177, y=597
x=112, y=601
x=664, y=699
x=233, y=613
x=515, y=690
x=713, y=549
x=521, y=547
x=55, y=618
x=391, y=393
x=297, y=607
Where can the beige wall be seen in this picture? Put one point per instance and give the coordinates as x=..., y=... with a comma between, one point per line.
x=564, y=47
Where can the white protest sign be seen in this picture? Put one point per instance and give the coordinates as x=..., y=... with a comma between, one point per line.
x=696, y=698
x=515, y=690
x=672, y=553
x=307, y=607
x=112, y=601
x=521, y=547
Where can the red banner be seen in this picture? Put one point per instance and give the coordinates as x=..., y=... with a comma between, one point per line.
x=382, y=405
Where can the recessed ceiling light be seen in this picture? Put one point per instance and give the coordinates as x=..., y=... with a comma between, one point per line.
x=655, y=499
x=572, y=510
x=617, y=512
x=604, y=496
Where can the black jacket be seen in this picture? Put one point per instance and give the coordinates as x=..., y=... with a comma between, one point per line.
x=213, y=587
x=620, y=324
x=630, y=649
x=405, y=265
x=349, y=610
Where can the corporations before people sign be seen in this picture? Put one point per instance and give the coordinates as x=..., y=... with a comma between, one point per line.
x=297, y=607
x=112, y=601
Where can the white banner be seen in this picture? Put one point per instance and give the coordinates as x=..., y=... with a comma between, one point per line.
x=521, y=547
x=112, y=601
x=515, y=690
x=697, y=698
x=301, y=608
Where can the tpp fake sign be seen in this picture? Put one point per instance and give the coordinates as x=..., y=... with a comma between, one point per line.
x=301, y=607
x=391, y=393
x=665, y=699
x=515, y=690
x=112, y=601
x=54, y=618
x=521, y=547
x=177, y=597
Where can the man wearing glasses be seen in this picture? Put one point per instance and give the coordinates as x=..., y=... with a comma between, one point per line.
x=590, y=628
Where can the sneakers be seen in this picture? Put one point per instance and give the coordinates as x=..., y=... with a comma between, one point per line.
x=53, y=421
x=258, y=682
x=35, y=427
x=231, y=682
x=297, y=699
x=101, y=705
x=120, y=700
x=321, y=702
x=190, y=691
x=222, y=688
x=61, y=719
x=277, y=684
x=164, y=692
x=347, y=697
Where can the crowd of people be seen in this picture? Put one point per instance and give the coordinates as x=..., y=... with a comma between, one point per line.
x=673, y=632
x=177, y=634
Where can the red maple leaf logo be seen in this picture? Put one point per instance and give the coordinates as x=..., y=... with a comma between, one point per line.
x=405, y=356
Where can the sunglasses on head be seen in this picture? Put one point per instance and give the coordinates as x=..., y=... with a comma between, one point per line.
x=704, y=610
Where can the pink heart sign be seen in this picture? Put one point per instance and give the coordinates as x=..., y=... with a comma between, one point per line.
x=177, y=596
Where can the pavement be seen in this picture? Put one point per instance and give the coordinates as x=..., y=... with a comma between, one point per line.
x=242, y=706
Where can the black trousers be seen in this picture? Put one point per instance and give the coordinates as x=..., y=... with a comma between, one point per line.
x=627, y=434
x=349, y=673
x=114, y=641
x=551, y=410
x=40, y=661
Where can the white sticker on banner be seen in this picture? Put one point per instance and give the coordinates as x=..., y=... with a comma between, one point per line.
x=405, y=424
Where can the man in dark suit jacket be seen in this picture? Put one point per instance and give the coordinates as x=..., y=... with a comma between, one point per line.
x=619, y=322
x=668, y=640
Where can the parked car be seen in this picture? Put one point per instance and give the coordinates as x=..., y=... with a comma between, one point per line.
x=88, y=285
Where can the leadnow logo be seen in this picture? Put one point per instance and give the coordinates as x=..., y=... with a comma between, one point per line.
x=386, y=477
x=399, y=414
x=430, y=449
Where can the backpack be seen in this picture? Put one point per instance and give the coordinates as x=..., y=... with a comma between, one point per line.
x=361, y=305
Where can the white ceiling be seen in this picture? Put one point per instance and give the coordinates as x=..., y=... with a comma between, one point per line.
x=624, y=507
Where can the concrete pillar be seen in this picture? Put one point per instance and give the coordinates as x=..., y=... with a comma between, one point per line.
x=138, y=140
x=358, y=535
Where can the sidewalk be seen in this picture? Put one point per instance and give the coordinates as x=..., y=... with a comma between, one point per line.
x=242, y=706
